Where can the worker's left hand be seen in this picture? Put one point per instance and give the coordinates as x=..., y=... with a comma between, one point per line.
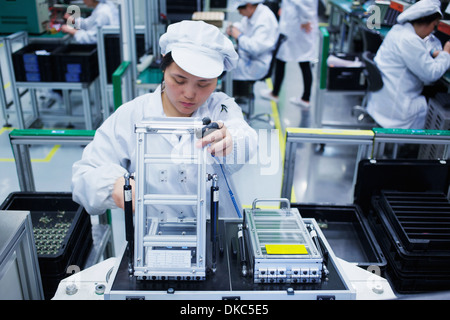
x=219, y=142
x=447, y=46
x=117, y=192
x=67, y=29
x=233, y=31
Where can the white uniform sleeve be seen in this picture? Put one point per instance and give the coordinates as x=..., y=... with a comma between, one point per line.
x=101, y=16
x=86, y=36
x=418, y=59
x=261, y=33
x=103, y=162
x=245, y=138
x=261, y=41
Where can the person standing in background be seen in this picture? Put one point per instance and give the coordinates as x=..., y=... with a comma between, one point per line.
x=299, y=22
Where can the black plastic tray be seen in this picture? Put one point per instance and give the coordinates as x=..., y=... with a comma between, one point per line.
x=421, y=219
x=50, y=281
x=426, y=261
x=77, y=63
x=400, y=175
x=29, y=67
x=410, y=272
x=348, y=233
x=112, y=52
x=48, y=209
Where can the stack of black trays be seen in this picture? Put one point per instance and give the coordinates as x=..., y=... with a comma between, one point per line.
x=62, y=232
x=413, y=229
x=406, y=205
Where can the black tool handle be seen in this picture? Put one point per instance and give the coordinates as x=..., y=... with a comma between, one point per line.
x=209, y=127
x=242, y=251
x=128, y=210
x=214, y=218
x=214, y=212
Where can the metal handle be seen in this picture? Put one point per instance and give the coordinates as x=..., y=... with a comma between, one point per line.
x=271, y=200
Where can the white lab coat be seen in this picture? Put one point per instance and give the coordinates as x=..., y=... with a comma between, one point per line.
x=112, y=153
x=406, y=65
x=300, y=46
x=106, y=13
x=256, y=44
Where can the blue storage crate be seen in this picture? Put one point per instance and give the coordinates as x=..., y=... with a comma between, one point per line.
x=73, y=77
x=30, y=58
x=31, y=67
x=74, y=68
x=33, y=77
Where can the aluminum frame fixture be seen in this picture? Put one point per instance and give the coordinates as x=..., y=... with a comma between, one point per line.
x=146, y=240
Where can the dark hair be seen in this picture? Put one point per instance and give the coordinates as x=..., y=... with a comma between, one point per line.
x=166, y=61
x=427, y=19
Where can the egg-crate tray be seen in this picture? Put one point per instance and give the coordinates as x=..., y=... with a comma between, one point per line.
x=62, y=228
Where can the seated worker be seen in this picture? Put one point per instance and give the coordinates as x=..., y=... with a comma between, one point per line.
x=407, y=64
x=85, y=31
x=256, y=35
x=195, y=54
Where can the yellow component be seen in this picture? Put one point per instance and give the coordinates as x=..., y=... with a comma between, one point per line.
x=286, y=249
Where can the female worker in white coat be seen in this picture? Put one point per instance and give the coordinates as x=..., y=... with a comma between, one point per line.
x=256, y=35
x=407, y=63
x=195, y=55
x=299, y=22
x=84, y=30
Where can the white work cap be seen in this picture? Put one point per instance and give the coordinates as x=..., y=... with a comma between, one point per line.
x=199, y=48
x=420, y=9
x=238, y=3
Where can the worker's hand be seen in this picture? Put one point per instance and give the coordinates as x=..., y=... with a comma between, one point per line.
x=447, y=46
x=219, y=142
x=117, y=193
x=306, y=26
x=233, y=31
x=67, y=29
x=229, y=27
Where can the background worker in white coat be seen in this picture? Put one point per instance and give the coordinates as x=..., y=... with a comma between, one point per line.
x=84, y=30
x=299, y=22
x=256, y=35
x=195, y=54
x=407, y=63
